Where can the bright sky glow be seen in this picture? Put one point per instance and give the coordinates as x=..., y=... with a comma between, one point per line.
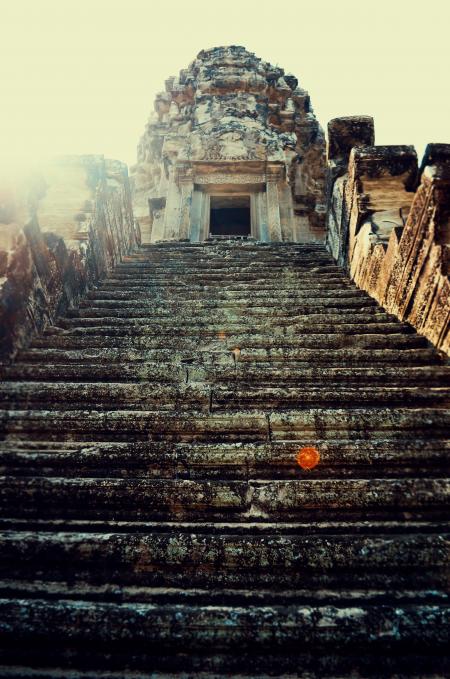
x=80, y=76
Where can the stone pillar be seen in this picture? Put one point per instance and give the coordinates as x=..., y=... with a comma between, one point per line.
x=286, y=212
x=187, y=189
x=273, y=204
x=173, y=209
x=195, y=216
x=261, y=231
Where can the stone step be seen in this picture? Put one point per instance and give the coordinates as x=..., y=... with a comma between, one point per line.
x=324, y=303
x=217, y=264
x=230, y=341
x=271, y=397
x=256, y=258
x=256, y=252
x=339, y=458
x=241, y=426
x=204, y=396
x=157, y=311
x=373, y=526
x=143, y=632
x=225, y=263
x=240, y=245
x=278, y=284
x=89, y=371
x=342, y=357
x=290, y=499
x=98, y=396
x=173, y=284
x=87, y=591
x=232, y=277
x=213, y=327
x=135, y=292
x=239, y=372
x=270, y=563
x=352, y=317
x=247, y=372
x=347, y=357
x=234, y=274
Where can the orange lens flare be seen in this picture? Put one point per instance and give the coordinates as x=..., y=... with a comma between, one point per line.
x=308, y=457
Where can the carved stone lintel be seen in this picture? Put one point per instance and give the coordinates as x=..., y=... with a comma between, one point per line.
x=230, y=179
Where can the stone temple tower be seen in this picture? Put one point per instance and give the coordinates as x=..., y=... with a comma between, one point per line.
x=232, y=149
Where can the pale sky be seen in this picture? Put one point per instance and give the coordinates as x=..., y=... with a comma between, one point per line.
x=80, y=76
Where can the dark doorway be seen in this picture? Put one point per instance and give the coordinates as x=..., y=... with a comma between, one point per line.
x=230, y=216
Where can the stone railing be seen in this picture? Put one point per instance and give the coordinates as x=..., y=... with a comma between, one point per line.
x=389, y=224
x=60, y=233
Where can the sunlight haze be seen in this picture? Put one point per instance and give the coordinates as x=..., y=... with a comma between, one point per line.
x=80, y=77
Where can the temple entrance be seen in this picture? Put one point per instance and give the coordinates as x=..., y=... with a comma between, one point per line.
x=230, y=216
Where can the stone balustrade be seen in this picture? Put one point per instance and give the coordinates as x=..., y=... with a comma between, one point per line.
x=388, y=223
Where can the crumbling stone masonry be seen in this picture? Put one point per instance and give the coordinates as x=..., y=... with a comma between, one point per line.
x=60, y=233
x=154, y=521
x=388, y=223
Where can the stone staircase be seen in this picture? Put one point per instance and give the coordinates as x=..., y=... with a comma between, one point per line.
x=154, y=521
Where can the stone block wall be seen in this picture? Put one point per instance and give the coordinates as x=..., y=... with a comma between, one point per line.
x=388, y=223
x=61, y=231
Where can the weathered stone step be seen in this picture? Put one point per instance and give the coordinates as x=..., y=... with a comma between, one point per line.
x=37, y=589
x=98, y=396
x=271, y=397
x=224, y=354
x=263, y=268
x=231, y=340
x=89, y=371
x=255, y=254
x=225, y=265
x=183, y=310
x=130, y=292
x=373, y=526
x=278, y=283
x=239, y=372
x=340, y=458
x=203, y=396
x=212, y=327
x=361, y=457
x=228, y=245
x=233, y=272
x=239, y=426
x=216, y=560
x=358, y=301
x=306, y=320
x=230, y=276
x=91, y=498
x=19, y=671
x=345, y=357
x=245, y=254
x=287, y=279
x=221, y=263
x=248, y=372
x=112, y=627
